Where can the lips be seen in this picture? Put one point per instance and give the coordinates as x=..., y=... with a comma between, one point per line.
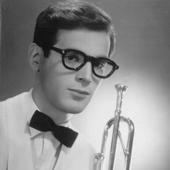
x=80, y=91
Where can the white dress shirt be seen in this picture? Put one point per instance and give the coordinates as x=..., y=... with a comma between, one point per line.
x=45, y=147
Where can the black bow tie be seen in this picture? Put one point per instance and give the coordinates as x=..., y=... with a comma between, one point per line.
x=44, y=123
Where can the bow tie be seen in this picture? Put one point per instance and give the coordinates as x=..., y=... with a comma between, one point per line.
x=44, y=123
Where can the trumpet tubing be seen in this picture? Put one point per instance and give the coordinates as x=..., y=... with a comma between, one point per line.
x=100, y=157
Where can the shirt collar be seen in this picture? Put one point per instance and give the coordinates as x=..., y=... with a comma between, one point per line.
x=30, y=108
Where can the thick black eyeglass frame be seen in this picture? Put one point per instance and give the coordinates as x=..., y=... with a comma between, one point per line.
x=86, y=59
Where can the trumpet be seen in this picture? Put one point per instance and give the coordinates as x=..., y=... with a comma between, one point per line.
x=100, y=157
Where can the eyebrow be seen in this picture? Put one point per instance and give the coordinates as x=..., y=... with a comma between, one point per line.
x=99, y=56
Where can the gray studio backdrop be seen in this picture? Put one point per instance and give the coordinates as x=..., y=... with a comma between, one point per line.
x=143, y=53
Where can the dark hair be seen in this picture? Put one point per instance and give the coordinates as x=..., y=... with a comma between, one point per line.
x=69, y=15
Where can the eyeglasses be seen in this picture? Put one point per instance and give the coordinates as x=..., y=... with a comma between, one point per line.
x=72, y=59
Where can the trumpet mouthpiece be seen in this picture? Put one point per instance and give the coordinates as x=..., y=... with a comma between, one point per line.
x=121, y=87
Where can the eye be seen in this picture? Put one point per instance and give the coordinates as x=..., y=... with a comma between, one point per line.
x=100, y=65
x=72, y=57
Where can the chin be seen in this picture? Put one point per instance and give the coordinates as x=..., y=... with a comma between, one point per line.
x=75, y=108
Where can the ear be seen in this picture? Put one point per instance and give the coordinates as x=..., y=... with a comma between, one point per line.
x=34, y=56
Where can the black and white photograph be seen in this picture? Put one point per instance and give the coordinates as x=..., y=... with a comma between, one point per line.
x=84, y=84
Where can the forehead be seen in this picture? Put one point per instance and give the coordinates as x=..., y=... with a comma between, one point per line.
x=90, y=42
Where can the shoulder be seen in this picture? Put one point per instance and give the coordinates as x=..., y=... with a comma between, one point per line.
x=12, y=100
x=10, y=108
x=83, y=143
x=83, y=139
x=7, y=105
x=12, y=104
x=83, y=153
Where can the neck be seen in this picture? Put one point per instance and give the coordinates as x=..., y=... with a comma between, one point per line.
x=58, y=116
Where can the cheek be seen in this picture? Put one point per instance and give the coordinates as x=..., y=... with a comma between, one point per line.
x=56, y=83
x=53, y=83
x=96, y=82
x=49, y=79
x=51, y=73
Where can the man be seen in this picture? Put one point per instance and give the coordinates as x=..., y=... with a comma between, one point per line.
x=70, y=53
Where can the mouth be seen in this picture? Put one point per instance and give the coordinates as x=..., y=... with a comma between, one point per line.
x=82, y=92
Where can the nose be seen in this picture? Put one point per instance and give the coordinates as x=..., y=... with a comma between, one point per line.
x=84, y=75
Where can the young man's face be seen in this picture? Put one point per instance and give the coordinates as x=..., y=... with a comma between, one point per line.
x=68, y=90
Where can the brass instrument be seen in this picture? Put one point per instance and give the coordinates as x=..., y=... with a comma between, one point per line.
x=100, y=157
